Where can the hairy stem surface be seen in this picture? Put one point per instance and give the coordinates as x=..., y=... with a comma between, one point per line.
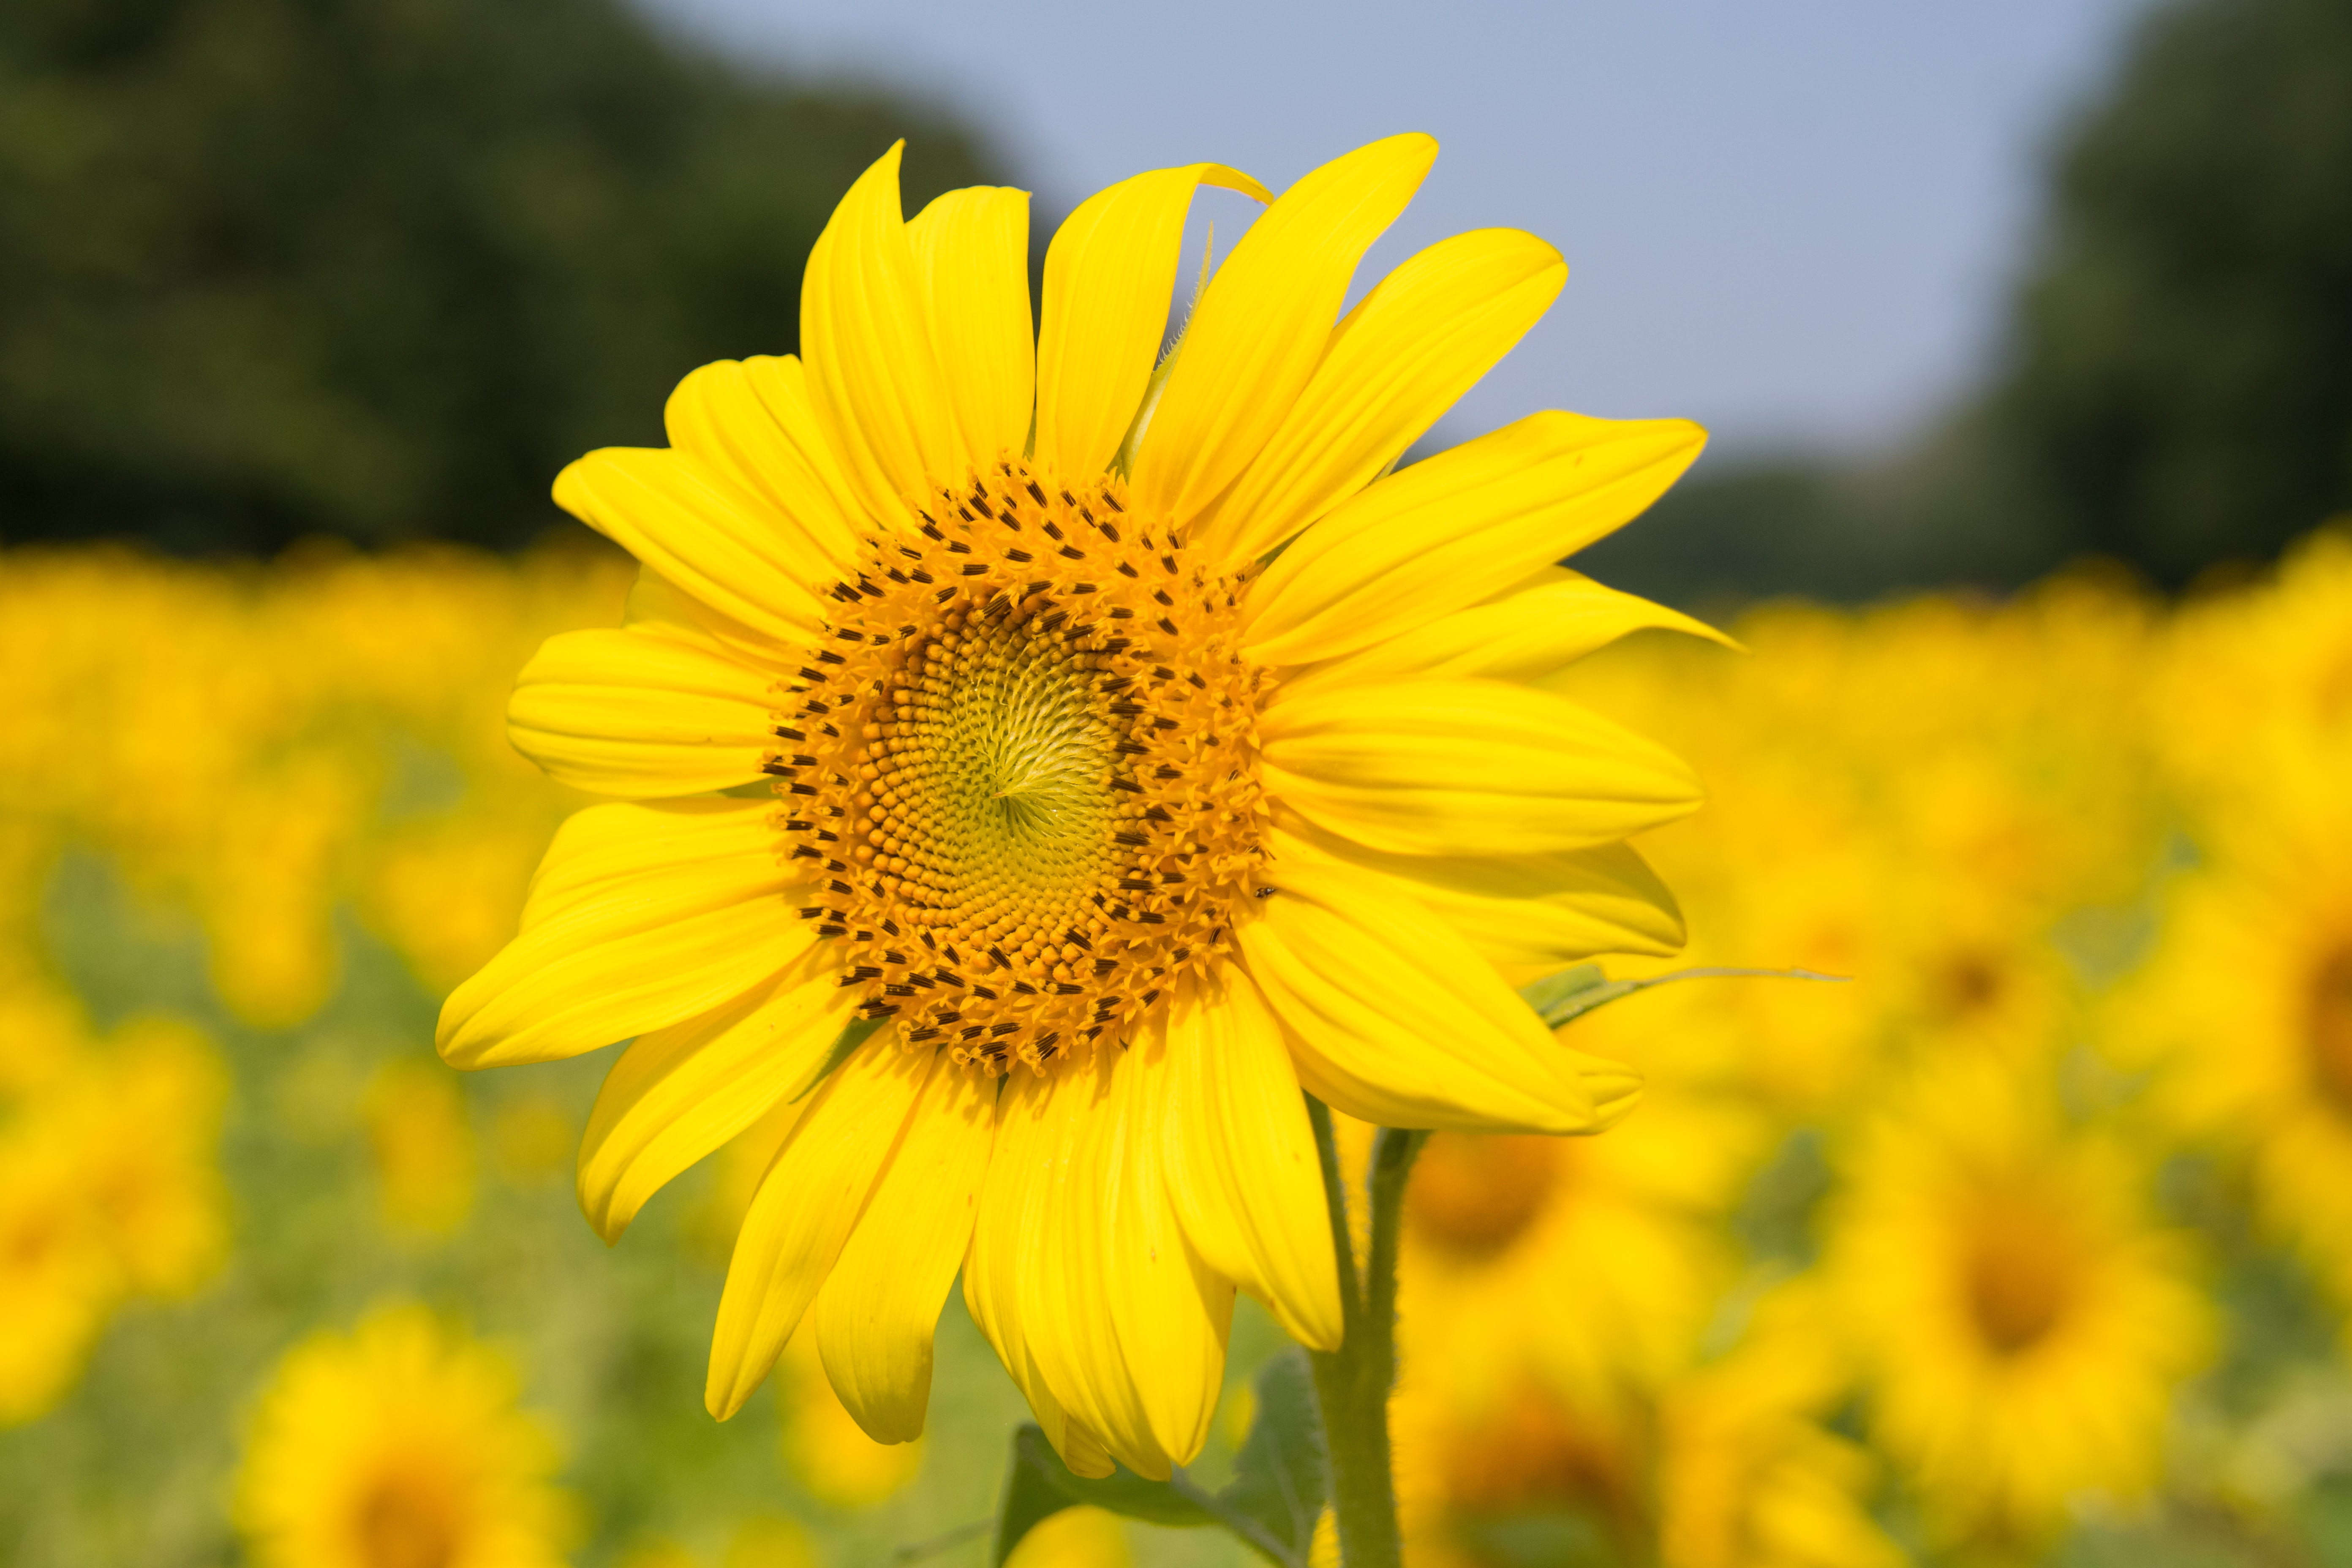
x=1352, y=1383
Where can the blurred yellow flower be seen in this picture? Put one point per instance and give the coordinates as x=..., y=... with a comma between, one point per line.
x=1075, y=1538
x=1747, y=1477
x=823, y=1447
x=1588, y=1265
x=149, y=1125
x=2248, y=1006
x=956, y=696
x=424, y=1147
x=57, y=1279
x=2260, y=682
x=108, y=1184
x=2019, y=1322
x=397, y=1445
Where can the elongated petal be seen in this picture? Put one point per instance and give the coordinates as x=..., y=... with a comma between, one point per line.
x=678, y=1093
x=808, y=1202
x=972, y=248
x=1170, y=1312
x=1264, y=320
x=1525, y=635
x=879, y=1309
x=1017, y=1237
x=874, y=379
x=1466, y=767
x=1399, y=361
x=703, y=537
x=640, y=917
x=641, y=712
x=1526, y=914
x=1241, y=1162
x=1392, y=1018
x=1063, y=1279
x=1461, y=526
x=748, y=422
x=1109, y=276
x=656, y=604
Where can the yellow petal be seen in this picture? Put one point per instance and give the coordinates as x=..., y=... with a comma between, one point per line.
x=1392, y=1018
x=643, y=711
x=1263, y=322
x=703, y=537
x=1016, y=1202
x=1400, y=360
x=1109, y=276
x=971, y=248
x=879, y=1309
x=1526, y=636
x=641, y=916
x=1466, y=767
x=748, y=422
x=1062, y=1280
x=1241, y=1162
x=1525, y=914
x=807, y=1205
x=1171, y=1312
x=874, y=379
x=678, y=1093
x=1449, y=531
x=656, y=604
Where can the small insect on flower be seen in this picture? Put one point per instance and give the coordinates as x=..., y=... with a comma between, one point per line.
x=1138, y=751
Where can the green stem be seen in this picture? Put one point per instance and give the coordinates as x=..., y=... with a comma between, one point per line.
x=1352, y=1383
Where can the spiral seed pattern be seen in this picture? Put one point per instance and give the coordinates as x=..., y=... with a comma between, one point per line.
x=1023, y=754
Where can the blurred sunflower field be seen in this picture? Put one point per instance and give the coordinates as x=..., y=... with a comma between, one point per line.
x=2030, y=1242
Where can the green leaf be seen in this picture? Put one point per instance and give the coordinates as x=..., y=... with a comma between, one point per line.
x=1552, y=990
x=853, y=1034
x=1282, y=1473
x=1572, y=992
x=1041, y=1485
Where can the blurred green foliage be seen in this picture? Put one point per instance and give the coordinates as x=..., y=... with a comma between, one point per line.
x=276, y=267
x=2182, y=389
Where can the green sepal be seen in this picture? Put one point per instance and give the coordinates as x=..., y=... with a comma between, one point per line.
x=1283, y=1474
x=1280, y=1479
x=1041, y=1485
x=1572, y=992
x=853, y=1034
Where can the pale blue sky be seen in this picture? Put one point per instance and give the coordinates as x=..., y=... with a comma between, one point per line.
x=1795, y=222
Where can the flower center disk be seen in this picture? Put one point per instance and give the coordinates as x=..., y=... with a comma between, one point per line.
x=1024, y=751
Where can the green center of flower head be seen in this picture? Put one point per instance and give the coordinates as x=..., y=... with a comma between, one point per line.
x=2327, y=1028
x=1024, y=752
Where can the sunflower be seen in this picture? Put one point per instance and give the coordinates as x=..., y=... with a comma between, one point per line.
x=2247, y=1003
x=1498, y=1278
x=397, y=1447
x=1040, y=759
x=1748, y=1475
x=2019, y=1322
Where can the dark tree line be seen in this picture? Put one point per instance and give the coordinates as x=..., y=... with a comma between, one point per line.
x=2175, y=389
x=379, y=267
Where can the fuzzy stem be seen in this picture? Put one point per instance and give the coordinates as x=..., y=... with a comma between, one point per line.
x=1352, y=1383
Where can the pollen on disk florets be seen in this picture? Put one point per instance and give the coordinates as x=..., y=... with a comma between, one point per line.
x=1023, y=754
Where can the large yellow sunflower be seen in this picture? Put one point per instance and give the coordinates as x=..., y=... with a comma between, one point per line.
x=1121, y=735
